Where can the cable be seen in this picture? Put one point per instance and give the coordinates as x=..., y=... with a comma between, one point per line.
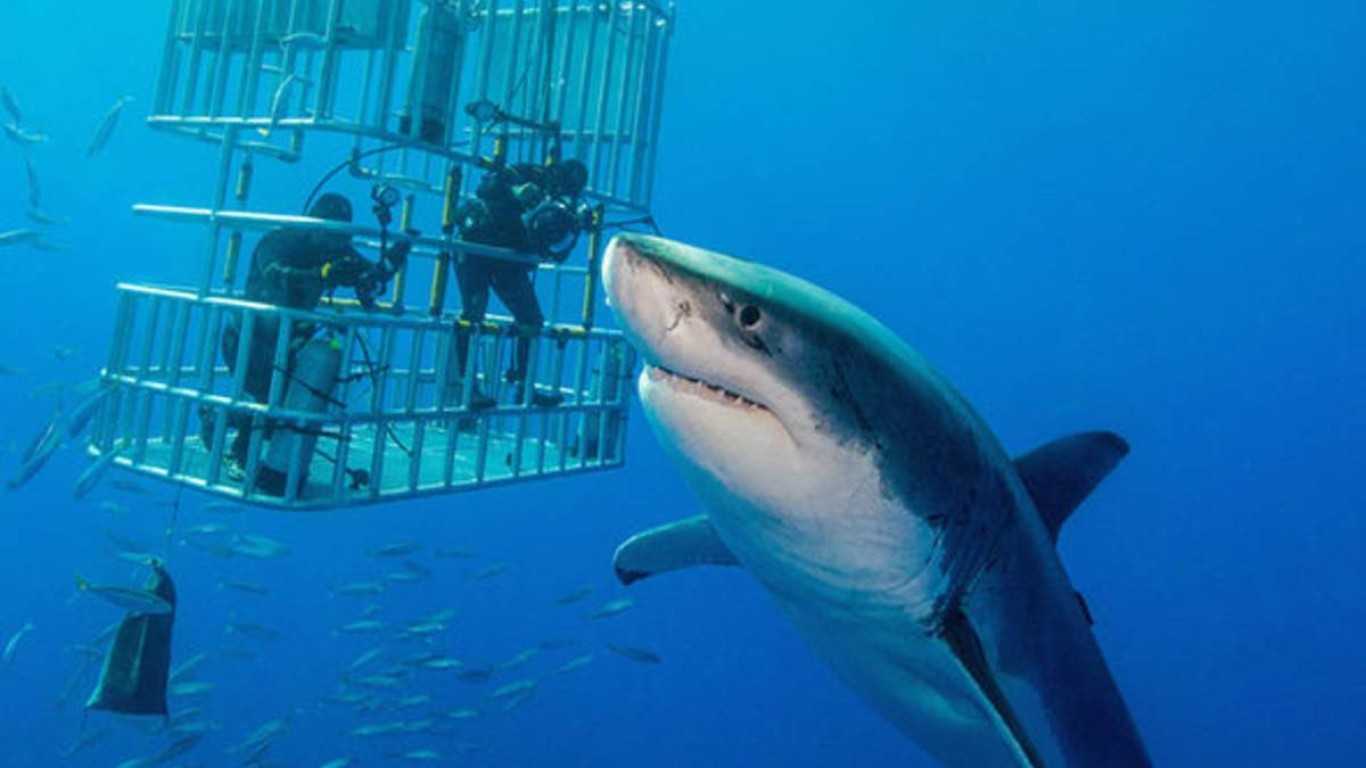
x=355, y=157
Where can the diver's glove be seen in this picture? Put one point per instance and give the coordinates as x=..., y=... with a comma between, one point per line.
x=393, y=259
x=346, y=272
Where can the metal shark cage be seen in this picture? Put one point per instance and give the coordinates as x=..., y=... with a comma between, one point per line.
x=418, y=91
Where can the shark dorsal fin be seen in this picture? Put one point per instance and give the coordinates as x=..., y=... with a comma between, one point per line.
x=1061, y=474
x=681, y=544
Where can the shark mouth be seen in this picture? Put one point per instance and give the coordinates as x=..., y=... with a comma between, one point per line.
x=704, y=389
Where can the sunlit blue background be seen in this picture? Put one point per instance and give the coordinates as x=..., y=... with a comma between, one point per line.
x=1144, y=217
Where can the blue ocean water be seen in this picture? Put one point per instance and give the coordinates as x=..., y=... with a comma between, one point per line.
x=1146, y=219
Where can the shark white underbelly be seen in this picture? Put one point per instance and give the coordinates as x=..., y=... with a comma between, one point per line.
x=865, y=494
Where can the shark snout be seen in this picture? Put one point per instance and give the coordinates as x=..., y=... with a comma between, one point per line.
x=644, y=293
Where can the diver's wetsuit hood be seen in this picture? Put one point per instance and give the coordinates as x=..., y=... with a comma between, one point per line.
x=331, y=206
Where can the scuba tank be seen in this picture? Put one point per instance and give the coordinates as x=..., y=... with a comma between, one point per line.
x=438, y=51
x=310, y=386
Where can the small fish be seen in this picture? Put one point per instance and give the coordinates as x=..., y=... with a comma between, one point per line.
x=257, y=546
x=177, y=748
x=365, y=625
x=207, y=529
x=106, y=127
x=112, y=507
x=20, y=136
x=82, y=414
x=31, y=467
x=379, y=681
x=397, y=549
x=222, y=551
x=359, y=589
x=463, y=713
x=418, y=755
x=424, y=629
x=578, y=662
x=442, y=662
x=641, y=655
x=18, y=236
x=377, y=729
x=83, y=741
x=403, y=577
x=35, y=190
x=95, y=472
x=137, y=558
x=408, y=702
x=184, y=668
x=195, y=688
x=264, y=734
x=574, y=596
x=245, y=586
x=613, y=608
x=520, y=659
x=489, y=572
x=134, y=600
x=11, y=106
x=278, y=103
x=13, y=645
x=39, y=216
x=514, y=689
x=366, y=658
x=340, y=762
x=251, y=629
x=183, y=716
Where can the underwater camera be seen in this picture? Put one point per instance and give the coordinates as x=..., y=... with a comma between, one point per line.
x=554, y=224
x=374, y=279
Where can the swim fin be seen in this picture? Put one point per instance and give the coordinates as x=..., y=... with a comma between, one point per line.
x=138, y=665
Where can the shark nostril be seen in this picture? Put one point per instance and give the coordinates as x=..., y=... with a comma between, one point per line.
x=749, y=316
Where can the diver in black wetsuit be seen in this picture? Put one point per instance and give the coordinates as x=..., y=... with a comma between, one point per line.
x=294, y=268
x=530, y=209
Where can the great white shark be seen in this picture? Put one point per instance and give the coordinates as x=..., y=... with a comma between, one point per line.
x=862, y=490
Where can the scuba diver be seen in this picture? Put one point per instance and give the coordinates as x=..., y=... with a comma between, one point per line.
x=293, y=268
x=527, y=208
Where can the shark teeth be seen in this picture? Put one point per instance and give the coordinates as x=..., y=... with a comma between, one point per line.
x=705, y=388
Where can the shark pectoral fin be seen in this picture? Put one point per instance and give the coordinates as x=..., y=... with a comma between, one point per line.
x=966, y=646
x=1061, y=474
x=681, y=544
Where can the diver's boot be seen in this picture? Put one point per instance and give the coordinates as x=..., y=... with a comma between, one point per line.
x=206, y=426
x=540, y=397
x=480, y=401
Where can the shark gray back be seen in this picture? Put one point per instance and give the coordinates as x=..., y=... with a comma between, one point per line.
x=875, y=505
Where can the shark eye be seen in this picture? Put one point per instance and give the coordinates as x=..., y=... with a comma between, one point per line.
x=749, y=316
